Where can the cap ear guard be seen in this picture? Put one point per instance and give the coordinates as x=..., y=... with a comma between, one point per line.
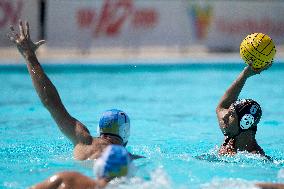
x=114, y=162
x=247, y=121
x=249, y=113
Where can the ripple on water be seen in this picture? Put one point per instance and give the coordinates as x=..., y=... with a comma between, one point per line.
x=243, y=157
x=229, y=184
x=280, y=175
x=158, y=180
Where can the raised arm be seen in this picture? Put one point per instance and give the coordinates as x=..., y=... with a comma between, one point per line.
x=233, y=92
x=227, y=117
x=46, y=91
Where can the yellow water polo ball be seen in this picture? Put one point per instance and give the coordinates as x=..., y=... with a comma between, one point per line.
x=258, y=48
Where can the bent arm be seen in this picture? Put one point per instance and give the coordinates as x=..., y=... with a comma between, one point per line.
x=233, y=92
x=225, y=116
x=46, y=91
x=50, y=98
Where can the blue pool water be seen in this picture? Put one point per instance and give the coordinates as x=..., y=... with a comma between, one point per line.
x=173, y=123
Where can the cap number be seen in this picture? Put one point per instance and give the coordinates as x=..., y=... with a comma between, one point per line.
x=253, y=109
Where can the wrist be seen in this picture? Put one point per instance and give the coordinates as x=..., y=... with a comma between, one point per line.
x=28, y=54
x=246, y=73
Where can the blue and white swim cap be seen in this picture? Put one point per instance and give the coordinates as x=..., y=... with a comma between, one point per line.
x=114, y=162
x=249, y=113
x=115, y=122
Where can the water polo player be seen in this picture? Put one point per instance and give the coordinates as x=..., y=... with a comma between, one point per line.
x=114, y=126
x=238, y=119
x=114, y=162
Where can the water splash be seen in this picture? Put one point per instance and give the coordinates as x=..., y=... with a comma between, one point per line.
x=229, y=184
x=280, y=175
x=11, y=185
x=158, y=180
x=243, y=157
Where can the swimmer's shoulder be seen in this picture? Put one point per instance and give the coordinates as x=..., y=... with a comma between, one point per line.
x=92, y=151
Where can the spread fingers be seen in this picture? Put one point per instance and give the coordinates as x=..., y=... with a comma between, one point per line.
x=22, y=30
x=27, y=30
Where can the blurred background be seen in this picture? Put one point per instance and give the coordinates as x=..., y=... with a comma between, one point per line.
x=141, y=28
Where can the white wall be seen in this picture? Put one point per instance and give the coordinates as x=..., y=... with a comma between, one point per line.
x=13, y=10
x=117, y=23
x=134, y=23
x=232, y=21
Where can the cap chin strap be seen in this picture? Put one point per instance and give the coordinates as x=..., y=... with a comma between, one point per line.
x=124, y=144
x=110, y=134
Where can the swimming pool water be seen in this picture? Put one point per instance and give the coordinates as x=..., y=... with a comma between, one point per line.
x=173, y=123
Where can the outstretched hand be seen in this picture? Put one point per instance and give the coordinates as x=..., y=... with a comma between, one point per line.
x=22, y=39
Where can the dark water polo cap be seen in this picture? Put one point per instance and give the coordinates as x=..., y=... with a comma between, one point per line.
x=249, y=113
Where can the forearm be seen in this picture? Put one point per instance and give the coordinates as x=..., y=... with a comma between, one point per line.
x=51, y=100
x=46, y=91
x=233, y=92
x=44, y=87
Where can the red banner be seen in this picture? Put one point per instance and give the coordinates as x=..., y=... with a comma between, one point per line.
x=109, y=20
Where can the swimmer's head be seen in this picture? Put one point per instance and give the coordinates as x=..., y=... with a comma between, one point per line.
x=114, y=162
x=115, y=122
x=249, y=113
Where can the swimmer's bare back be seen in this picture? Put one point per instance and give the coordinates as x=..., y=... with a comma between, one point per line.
x=85, y=146
x=92, y=151
x=70, y=180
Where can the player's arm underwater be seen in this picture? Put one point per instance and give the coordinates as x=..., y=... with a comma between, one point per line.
x=46, y=91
